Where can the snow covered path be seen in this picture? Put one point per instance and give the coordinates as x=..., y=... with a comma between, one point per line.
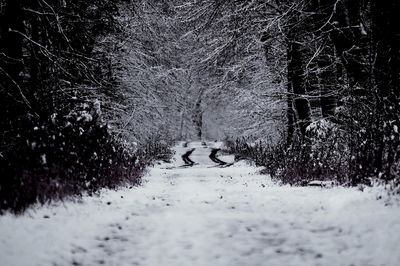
x=207, y=216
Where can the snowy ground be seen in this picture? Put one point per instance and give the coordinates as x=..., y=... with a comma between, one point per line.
x=207, y=216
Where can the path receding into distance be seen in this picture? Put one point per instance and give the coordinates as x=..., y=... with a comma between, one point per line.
x=204, y=215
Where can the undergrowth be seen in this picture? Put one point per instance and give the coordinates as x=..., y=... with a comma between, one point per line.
x=70, y=155
x=327, y=153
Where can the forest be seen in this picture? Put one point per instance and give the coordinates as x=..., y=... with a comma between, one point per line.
x=199, y=132
x=92, y=92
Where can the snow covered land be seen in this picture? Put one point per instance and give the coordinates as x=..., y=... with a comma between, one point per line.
x=206, y=215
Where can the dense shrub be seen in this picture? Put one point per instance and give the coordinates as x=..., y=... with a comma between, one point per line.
x=323, y=155
x=297, y=164
x=329, y=152
x=68, y=155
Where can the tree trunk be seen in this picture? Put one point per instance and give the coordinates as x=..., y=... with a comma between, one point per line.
x=13, y=105
x=327, y=81
x=386, y=41
x=386, y=71
x=198, y=116
x=11, y=41
x=351, y=42
x=296, y=77
x=326, y=59
x=290, y=113
x=34, y=53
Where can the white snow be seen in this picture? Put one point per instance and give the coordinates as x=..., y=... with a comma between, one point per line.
x=207, y=216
